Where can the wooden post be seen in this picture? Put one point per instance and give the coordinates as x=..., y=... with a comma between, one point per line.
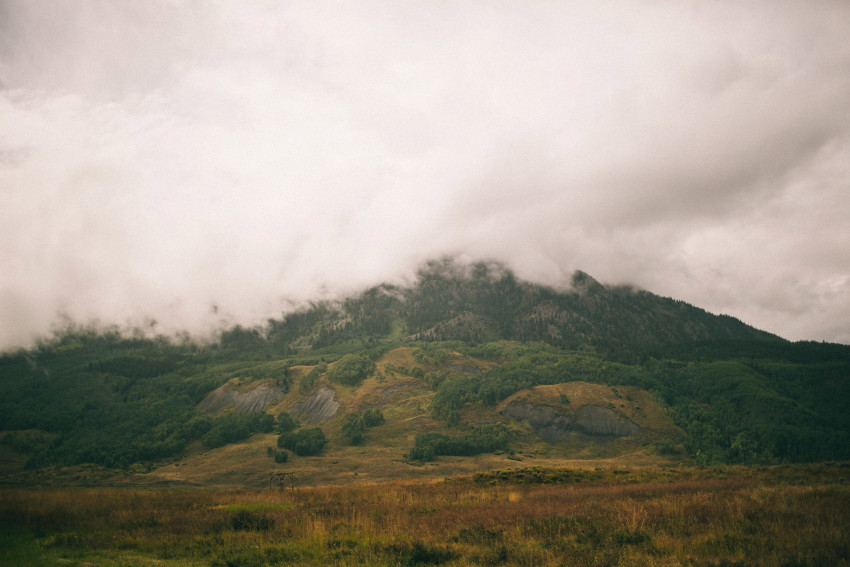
x=279, y=477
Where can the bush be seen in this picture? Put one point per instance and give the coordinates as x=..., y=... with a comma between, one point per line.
x=235, y=427
x=286, y=423
x=305, y=442
x=248, y=520
x=228, y=429
x=482, y=439
x=352, y=428
x=373, y=417
x=262, y=423
x=419, y=553
x=351, y=369
x=422, y=454
x=309, y=380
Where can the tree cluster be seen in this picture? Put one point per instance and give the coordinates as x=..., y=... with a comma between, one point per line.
x=483, y=439
x=309, y=380
x=351, y=369
x=355, y=425
x=305, y=442
x=235, y=427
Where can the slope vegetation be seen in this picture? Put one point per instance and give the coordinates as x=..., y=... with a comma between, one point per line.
x=466, y=369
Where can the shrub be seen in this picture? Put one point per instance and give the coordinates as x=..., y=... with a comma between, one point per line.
x=482, y=439
x=419, y=553
x=309, y=380
x=231, y=428
x=262, y=423
x=247, y=520
x=373, y=417
x=304, y=442
x=422, y=454
x=286, y=423
x=352, y=428
x=351, y=369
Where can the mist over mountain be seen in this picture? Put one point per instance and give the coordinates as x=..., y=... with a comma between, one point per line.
x=201, y=165
x=455, y=299
x=454, y=251
x=465, y=359
x=485, y=301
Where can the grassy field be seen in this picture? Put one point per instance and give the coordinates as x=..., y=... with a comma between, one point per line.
x=783, y=515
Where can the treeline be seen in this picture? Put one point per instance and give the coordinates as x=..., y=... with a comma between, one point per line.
x=482, y=439
x=760, y=411
x=734, y=411
x=234, y=427
x=115, y=402
x=485, y=301
x=741, y=395
x=521, y=367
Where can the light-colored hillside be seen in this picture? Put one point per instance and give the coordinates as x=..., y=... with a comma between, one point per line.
x=405, y=401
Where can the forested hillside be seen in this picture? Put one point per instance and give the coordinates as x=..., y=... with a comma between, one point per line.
x=486, y=302
x=477, y=336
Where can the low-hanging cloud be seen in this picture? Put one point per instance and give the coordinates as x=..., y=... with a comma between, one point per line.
x=186, y=162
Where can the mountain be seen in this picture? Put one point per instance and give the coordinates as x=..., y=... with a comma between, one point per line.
x=485, y=302
x=466, y=368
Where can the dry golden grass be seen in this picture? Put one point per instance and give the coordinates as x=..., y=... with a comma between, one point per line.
x=405, y=402
x=674, y=516
x=633, y=403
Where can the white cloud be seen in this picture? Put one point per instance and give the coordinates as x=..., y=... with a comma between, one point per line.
x=157, y=158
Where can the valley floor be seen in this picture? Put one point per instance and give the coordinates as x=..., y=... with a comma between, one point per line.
x=247, y=466
x=526, y=515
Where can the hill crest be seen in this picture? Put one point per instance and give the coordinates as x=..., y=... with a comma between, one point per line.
x=484, y=302
x=128, y=403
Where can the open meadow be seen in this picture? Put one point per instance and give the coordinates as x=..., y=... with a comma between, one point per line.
x=779, y=515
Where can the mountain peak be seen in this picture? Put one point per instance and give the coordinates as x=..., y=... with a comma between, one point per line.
x=485, y=301
x=584, y=282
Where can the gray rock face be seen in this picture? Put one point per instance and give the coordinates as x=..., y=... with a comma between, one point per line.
x=589, y=420
x=254, y=400
x=542, y=419
x=599, y=420
x=319, y=407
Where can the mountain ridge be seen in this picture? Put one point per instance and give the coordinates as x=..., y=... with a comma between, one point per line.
x=438, y=357
x=484, y=301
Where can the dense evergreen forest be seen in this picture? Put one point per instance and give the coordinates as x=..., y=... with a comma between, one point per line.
x=740, y=394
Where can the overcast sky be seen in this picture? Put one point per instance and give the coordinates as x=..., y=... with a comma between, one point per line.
x=160, y=158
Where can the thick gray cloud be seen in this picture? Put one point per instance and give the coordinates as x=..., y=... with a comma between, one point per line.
x=160, y=158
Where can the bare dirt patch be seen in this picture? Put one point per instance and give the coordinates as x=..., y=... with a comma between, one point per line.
x=316, y=408
x=253, y=399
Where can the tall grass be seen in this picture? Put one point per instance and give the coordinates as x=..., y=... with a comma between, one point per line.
x=734, y=516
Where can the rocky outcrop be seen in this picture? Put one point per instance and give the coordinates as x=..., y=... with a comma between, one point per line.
x=554, y=423
x=600, y=420
x=253, y=400
x=317, y=408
